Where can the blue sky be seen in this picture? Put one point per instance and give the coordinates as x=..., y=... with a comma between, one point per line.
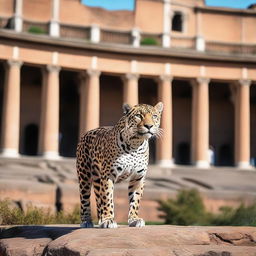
x=129, y=4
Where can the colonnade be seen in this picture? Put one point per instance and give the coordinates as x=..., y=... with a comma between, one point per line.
x=90, y=113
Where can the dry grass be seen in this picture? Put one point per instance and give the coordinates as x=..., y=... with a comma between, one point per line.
x=10, y=215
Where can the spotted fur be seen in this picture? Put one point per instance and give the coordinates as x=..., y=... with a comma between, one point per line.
x=108, y=155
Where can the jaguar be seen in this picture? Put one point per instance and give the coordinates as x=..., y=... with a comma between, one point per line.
x=108, y=155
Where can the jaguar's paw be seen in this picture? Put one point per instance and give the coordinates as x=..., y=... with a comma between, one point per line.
x=86, y=224
x=136, y=222
x=109, y=223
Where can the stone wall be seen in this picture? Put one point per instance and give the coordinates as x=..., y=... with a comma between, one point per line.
x=53, y=184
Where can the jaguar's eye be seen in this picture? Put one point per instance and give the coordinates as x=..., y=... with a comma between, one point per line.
x=138, y=116
x=155, y=116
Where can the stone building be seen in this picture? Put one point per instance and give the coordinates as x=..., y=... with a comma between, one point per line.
x=66, y=68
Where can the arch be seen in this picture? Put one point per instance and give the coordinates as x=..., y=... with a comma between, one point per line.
x=177, y=22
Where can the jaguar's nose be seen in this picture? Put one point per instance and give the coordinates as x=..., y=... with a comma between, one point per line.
x=148, y=126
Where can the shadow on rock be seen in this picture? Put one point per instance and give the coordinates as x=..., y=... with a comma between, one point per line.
x=35, y=232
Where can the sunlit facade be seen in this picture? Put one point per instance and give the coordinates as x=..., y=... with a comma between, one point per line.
x=66, y=68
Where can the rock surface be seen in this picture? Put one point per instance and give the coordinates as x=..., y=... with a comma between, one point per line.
x=125, y=241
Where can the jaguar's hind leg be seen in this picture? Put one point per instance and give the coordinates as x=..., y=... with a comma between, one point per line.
x=85, y=183
x=85, y=208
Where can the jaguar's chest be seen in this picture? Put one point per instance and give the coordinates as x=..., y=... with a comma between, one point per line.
x=130, y=161
x=132, y=164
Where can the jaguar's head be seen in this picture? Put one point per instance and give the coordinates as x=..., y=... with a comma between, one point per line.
x=142, y=121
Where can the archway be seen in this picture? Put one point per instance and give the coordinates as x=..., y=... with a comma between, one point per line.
x=221, y=123
x=30, y=109
x=177, y=21
x=69, y=113
x=182, y=112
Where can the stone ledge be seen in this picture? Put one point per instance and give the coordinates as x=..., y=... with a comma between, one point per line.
x=113, y=48
x=69, y=240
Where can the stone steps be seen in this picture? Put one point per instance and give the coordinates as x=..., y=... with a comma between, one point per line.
x=46, y=183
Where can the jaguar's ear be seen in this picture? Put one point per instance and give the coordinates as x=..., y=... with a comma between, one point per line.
x=159, y=107
x=126, y=108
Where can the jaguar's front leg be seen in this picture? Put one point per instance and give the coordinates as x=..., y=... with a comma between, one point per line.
x=136, y=187
x=107, y=204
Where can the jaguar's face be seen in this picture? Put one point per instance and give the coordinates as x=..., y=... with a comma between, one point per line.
x=144, y=120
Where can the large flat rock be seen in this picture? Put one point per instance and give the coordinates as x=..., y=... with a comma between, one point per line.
x=125, y=241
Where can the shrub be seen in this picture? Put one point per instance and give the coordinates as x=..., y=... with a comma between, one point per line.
x=241, y=216
x=36, y=30
x=188, y=209
x=35, y=216
x=148, y=41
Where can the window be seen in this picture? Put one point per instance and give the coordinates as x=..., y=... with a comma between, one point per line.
x=177, y=22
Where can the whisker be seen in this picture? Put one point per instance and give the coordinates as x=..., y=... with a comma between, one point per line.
x=161, y=130
x=159, y=133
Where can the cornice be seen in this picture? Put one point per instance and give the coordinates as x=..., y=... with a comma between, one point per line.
x=17, y=39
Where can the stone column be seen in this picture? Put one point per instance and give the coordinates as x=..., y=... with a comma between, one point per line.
x=11, y=110
x=18, y=21
x=242, y=121
x=54, y=23
x=165, y=143
x=49, y=136
x=89, y=100
x=166, y=39
x=200, y=122
x=131, y=93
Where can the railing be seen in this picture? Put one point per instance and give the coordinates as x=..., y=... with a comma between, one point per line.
x=73, y=31
x=127, y=37
x=119, y=37
x=183, y=42
x=151, y=39
x=230, y=48
x=35, y=27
